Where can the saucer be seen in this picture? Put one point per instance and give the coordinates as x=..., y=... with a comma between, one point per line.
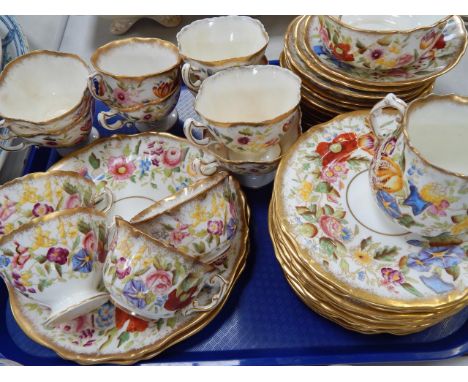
x=429, y=66
x=350, y=245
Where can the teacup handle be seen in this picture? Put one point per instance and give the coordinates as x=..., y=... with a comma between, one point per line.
x=204, y=135
x=104, y=116
x=8, y=137
x=188, y=72
x=205, y=168
x=390, y=101
x=194, y=307
x=95, y=77
x=108, y=198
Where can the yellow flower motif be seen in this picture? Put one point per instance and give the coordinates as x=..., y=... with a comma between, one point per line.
x=42, y=239
x=362, y=257
x=305, y=190
x=30, y=195
x=48, y=190
x=434, y=193
x=460, y=227
x=386, y=63
x=394, y=48
x=8, y=228
x=124, y=246
x=218, y=205
x=25, y=278
x=199, y=214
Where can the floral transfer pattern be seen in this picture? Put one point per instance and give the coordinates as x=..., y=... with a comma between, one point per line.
x=440, y=57
x=23, y=201
x=312, y=199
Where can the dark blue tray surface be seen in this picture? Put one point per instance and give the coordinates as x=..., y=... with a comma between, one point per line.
x=263, y=321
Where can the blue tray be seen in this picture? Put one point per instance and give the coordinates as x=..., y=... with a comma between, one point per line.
x=263, y=321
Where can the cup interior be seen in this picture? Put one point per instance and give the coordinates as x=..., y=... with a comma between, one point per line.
x=438, y=130
x=222, y=38
x=42, y=86
x=390, y=22
x=248, y=94
x=136, y=57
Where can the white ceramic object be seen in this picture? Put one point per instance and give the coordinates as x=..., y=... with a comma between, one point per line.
x=56, y=261
x=246, y=108
x=213, y=44
x=419, y=174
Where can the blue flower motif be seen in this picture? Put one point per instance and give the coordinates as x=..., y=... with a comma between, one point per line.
x=105, y=316
x=319, y=50
x=443, y=257
x=388, y=203
x=82, y=262
x=435, y=283
x=145, y=165
x=160, y=300
x=414, y=200
x=4, y=261
x=361, y=275
x=135, y=291
x=346, y=234
x=231, y=228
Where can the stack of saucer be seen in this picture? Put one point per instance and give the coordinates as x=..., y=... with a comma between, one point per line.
x=341, y=254
x=344, y=68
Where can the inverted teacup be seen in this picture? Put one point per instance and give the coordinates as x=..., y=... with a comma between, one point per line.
x=43, y=92
x=419, y=174
x=56, y=261
x=200, y=220
x=246, y=108
x=213, y=44
x=384, y=42
x=135, y=71
x=41, y=193
x=151, y=280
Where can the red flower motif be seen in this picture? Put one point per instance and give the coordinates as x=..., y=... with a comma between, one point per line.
x=440, y=43
x=135, y=324
x=339, y=149
x=73, y=201
x=392, y=276
x=341, y=51
x=376, y=54
x=57, y=255
x=215, y=227
x=163, y=89
x=159, y=282
x=172, y=157
x=331, y=226
x=367, y=142
x=175, y=302
x=41, y=209
x=120, y=168
x=243, y=140
x=428, y=39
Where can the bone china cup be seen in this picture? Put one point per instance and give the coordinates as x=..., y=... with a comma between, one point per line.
x=381, y=42
x=135, y=71
x=200, y=220
x=56, y=261
x=151, y=280
x=38, y=194
x=246, y=108
x=43, y=93
x=419, y=174
x=210, y=45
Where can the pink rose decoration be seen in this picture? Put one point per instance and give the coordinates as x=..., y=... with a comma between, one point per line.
x=159, y=282
x=120, y=168
x=177, y=235
x=41, y=209
x=330, y=226
x=90, y=242
x=73, y=201
x=122, y=270
x=19, y=260
x=172, y=157
x=122, y=96
x=215, y=227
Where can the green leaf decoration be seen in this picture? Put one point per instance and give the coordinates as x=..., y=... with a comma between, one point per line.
x=167, y=227
x=123, y=338
x=308, y=230
x=411, y=289
x=303, y=211
x=453, y=271
x=137, y=148
x=167, y=172
x=384, y=41
x=160, y=323
x=39, y=259
x=149, y=298
x=126, y=151
x=407, y=221
x=323, y=187
x=83, y=227
x=157, y=264
x=171, y=322
x=47, y=267
x=110, y=336
x=141, y=272
x=444, y=239
x=402, y=262
x=327, y=245
x=339, y=214
x=87, y=195
x=102, y=233
x=94, y=161
x=386, y=253
x=247, y=132
x=76, y=243
x=58, y=269
x=458, y=218
x=70, y=188
x=328, y=210
x=9, y=253
x=199, y=247
x=365, y=242
x=344, y=266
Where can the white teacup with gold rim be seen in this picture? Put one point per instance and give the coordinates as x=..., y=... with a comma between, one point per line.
x=419, y=174
x=56, y=261
x=200, y=220
x=213, y=44
x=35, y=195
x=43, y=93
x=151, y=280
x=381, y=42
x=246, y=108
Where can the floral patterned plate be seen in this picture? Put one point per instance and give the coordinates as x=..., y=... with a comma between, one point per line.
x=436, y=62
x=324, y=202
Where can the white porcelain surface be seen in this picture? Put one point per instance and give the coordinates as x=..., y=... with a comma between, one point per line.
x=390, y=22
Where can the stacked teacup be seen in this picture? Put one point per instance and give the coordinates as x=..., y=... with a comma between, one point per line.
x=139, y=80
x=248, y=113
x=44, y=101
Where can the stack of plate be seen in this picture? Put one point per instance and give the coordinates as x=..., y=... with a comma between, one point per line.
x=331, y=87
x=342, y=256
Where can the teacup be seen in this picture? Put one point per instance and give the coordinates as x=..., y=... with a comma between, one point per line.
x=35, y=195
x=135, y=71
x=200, y=220
x=381, y=42
x=213, y=44
x=151, y=280
x=159, y=115
x=43, y=93
x=246, y=108
x=419, y=174
x=56, y=261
